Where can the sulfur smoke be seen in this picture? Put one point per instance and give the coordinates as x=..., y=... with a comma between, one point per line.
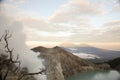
x=27, y=57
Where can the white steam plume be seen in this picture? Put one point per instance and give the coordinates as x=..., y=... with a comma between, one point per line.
x=27, y=57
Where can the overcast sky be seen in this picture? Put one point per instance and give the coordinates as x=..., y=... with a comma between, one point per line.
x=58, y=21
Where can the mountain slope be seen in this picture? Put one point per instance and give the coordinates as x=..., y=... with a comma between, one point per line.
x=63, y=63
x=115, y=63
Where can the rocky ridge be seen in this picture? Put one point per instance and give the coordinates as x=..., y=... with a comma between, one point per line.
x=61, y=64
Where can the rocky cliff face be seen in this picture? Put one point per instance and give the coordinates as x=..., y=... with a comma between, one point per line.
x=61, y=64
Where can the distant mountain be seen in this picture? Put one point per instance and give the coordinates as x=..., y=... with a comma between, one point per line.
x=90, y=51
x=61, y=63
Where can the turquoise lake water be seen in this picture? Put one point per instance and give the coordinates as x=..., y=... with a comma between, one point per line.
x=96, y=75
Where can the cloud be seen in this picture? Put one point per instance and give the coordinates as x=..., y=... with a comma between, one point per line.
x=117, y=9
x=113, y=23
x=42, y=25
x=1, y=1
x=38, y=35
x=13, y=7
x=117, y=6
x=112, y=31
x=38, y=24
x=76, y=11
x=73, y=22
x=40, y=30
x=17, y=2
x=109, y=32
x=63, y=25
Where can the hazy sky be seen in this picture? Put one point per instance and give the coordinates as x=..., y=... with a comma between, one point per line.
x=57, y=21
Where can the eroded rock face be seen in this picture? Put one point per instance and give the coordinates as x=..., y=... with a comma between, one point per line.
x=61, y=64
x=54, y=70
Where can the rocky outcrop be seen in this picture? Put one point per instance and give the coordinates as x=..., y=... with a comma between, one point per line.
x=115, y=63
x=103, y=66
x=61, y=64
x=53, y=66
